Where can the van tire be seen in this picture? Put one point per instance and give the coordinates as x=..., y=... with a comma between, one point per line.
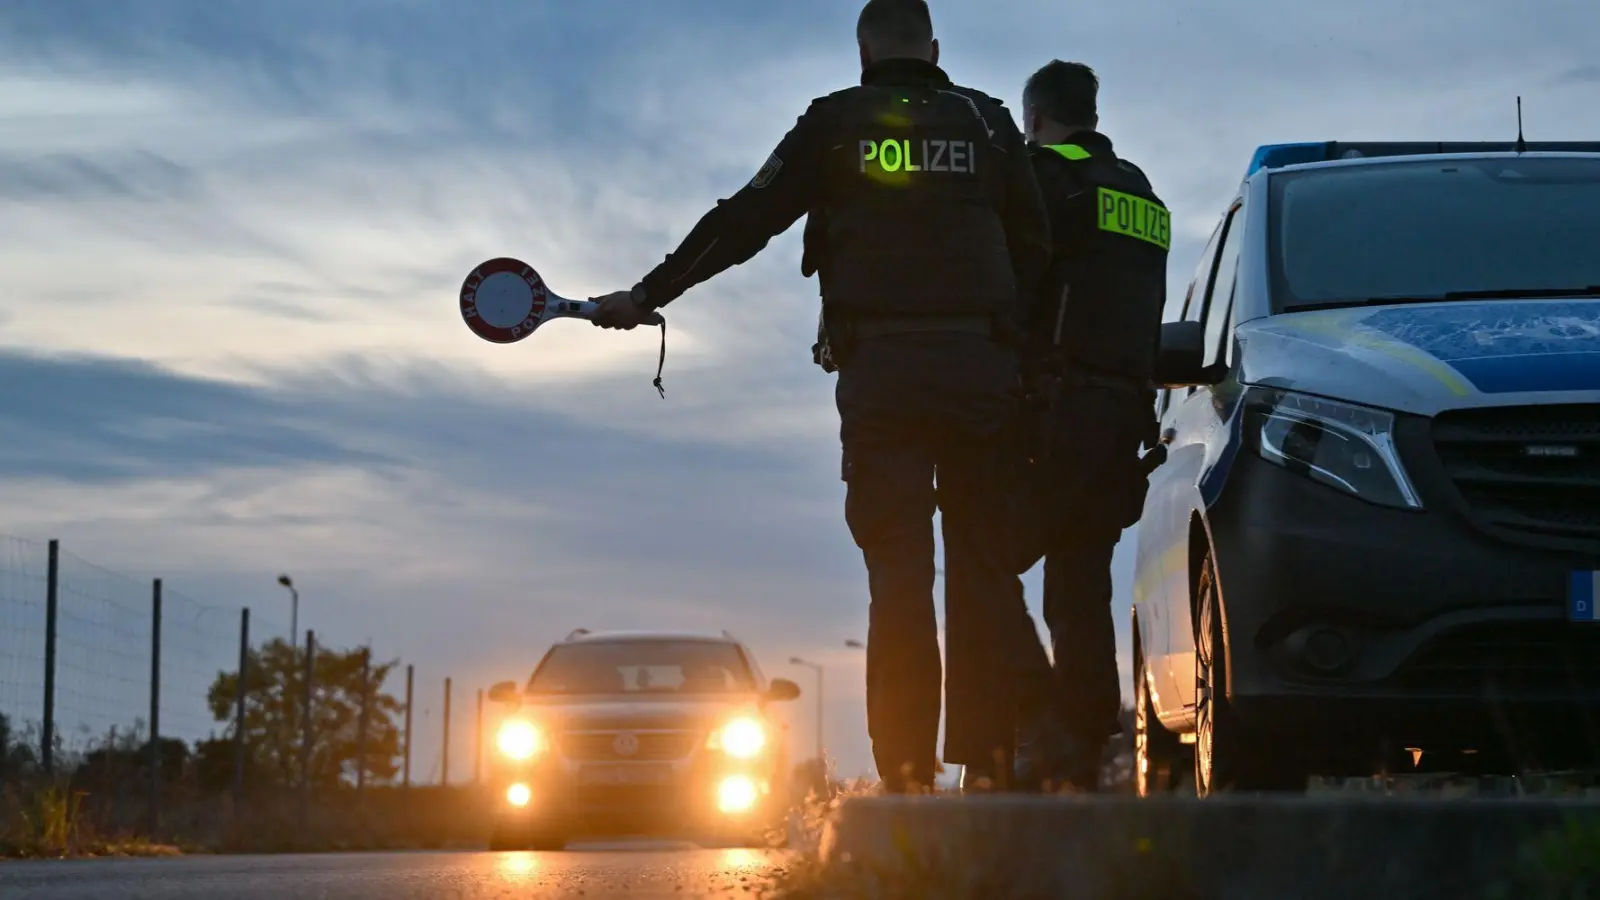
x=1226, y=757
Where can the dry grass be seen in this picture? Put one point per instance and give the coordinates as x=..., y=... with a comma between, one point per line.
x=46, y=819
x=49, y=820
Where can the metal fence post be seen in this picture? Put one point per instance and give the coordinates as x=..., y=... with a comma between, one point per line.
x=477, y=744
x=155, y=706
x=361, y=726
x=238, y=711
x=52, y=593
x=305, y=733
x=406, y=781
x=444, y=770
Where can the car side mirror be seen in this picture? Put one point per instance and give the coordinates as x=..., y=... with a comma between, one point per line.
x=782, y=690
x=505, y=692
x=1180, y=359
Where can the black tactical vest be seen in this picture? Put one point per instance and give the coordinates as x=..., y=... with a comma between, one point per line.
x=1104, y=294
x=909, y=221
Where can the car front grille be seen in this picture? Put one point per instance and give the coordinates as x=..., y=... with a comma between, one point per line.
x=600, y=746
x=1533, y=471
x=1508, y=658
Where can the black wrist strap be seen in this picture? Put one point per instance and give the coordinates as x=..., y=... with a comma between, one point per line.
x=661, y=359
x=639, y=296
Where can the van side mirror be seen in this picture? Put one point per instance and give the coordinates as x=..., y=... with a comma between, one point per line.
x=1180, y=359
x=782, y=690
x=505, y=692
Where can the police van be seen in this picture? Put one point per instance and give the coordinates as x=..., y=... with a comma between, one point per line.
x=1374, y=543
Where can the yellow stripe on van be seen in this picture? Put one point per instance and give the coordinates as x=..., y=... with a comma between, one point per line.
x=1345, y=329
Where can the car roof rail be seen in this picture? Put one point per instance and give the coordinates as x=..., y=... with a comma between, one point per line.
x=1271, y=156
x=576, y=633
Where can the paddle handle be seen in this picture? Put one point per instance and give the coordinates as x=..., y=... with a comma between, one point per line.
x=585, y=309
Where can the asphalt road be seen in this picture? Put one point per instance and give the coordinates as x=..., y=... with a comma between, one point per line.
x=589, y=871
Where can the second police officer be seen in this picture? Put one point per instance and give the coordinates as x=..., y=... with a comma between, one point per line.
x=1093, y=332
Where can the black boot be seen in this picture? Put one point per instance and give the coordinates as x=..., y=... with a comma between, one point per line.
x=989, y=777
x=1051, y=758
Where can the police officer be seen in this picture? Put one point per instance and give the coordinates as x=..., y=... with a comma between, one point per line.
x=1093, y=331
x=926, y=227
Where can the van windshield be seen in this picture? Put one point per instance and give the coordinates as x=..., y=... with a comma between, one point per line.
x=1415, y=231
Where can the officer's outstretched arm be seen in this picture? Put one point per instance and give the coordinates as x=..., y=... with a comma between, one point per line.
x=738, y=227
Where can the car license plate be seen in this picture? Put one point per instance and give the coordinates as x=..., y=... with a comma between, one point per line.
x=1582, y=594
x=619, y=775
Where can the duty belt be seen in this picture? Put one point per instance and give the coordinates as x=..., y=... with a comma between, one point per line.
x=862, y=327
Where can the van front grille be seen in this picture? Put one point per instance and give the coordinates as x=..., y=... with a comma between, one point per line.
x=1530, y=470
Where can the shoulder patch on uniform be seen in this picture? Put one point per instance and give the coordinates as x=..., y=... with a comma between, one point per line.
x=767, y=172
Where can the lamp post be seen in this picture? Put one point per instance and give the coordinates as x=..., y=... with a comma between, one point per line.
x=797, y=661
x=294, y=654
x=294, y=610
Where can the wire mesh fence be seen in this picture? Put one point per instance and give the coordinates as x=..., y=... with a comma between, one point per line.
x=93, y=664
x=22, y=642
x=91, y=660
x=127, y=694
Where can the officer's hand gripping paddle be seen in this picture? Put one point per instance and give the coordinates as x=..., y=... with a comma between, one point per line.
x=504, y=300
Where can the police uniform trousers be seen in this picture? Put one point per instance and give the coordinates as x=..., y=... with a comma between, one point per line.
x=1092, y=486
x=921, y=421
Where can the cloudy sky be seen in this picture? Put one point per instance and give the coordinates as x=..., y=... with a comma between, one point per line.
x=232, y=233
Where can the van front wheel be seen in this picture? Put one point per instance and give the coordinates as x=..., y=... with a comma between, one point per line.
x=1225, y=756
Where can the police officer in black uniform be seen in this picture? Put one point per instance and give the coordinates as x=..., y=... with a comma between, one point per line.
x=926, y=227
x=1093, y=330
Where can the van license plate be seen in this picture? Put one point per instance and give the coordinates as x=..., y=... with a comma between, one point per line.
x=1582, y=594
x=618, y=775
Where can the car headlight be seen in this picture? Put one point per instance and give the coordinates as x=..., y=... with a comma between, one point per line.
x=519, y=739
x=744, y=738
x=1342, y=445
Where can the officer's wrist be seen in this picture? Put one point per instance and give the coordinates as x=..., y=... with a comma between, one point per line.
x=650, y=294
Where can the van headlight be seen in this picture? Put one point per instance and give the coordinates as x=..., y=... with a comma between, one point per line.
x=742, y=738
x=1342, y=445
x=519, y=739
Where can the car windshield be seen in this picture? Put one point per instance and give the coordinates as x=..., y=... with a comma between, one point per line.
x=1418, y=231
x=643, y=666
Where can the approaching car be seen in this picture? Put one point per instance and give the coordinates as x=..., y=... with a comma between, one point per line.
x=1377, y=527
x=631, y=733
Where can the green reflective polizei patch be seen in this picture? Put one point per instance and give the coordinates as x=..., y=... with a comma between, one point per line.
x=1070, y=151
x=1135, y=217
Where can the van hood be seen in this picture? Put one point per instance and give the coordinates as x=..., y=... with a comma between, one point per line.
x=1426, y=358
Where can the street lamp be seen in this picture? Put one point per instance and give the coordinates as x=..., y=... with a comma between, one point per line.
x=294, y=654
x=294, y=610
x=797, y=661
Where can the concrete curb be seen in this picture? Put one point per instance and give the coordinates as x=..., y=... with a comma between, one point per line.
x=1295, y=848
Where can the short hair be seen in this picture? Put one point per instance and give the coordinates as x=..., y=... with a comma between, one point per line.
x=895, y=23
x=1063, y=92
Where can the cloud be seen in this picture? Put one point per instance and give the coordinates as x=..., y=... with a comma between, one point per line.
x=1580, y=75
x=91, y=420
